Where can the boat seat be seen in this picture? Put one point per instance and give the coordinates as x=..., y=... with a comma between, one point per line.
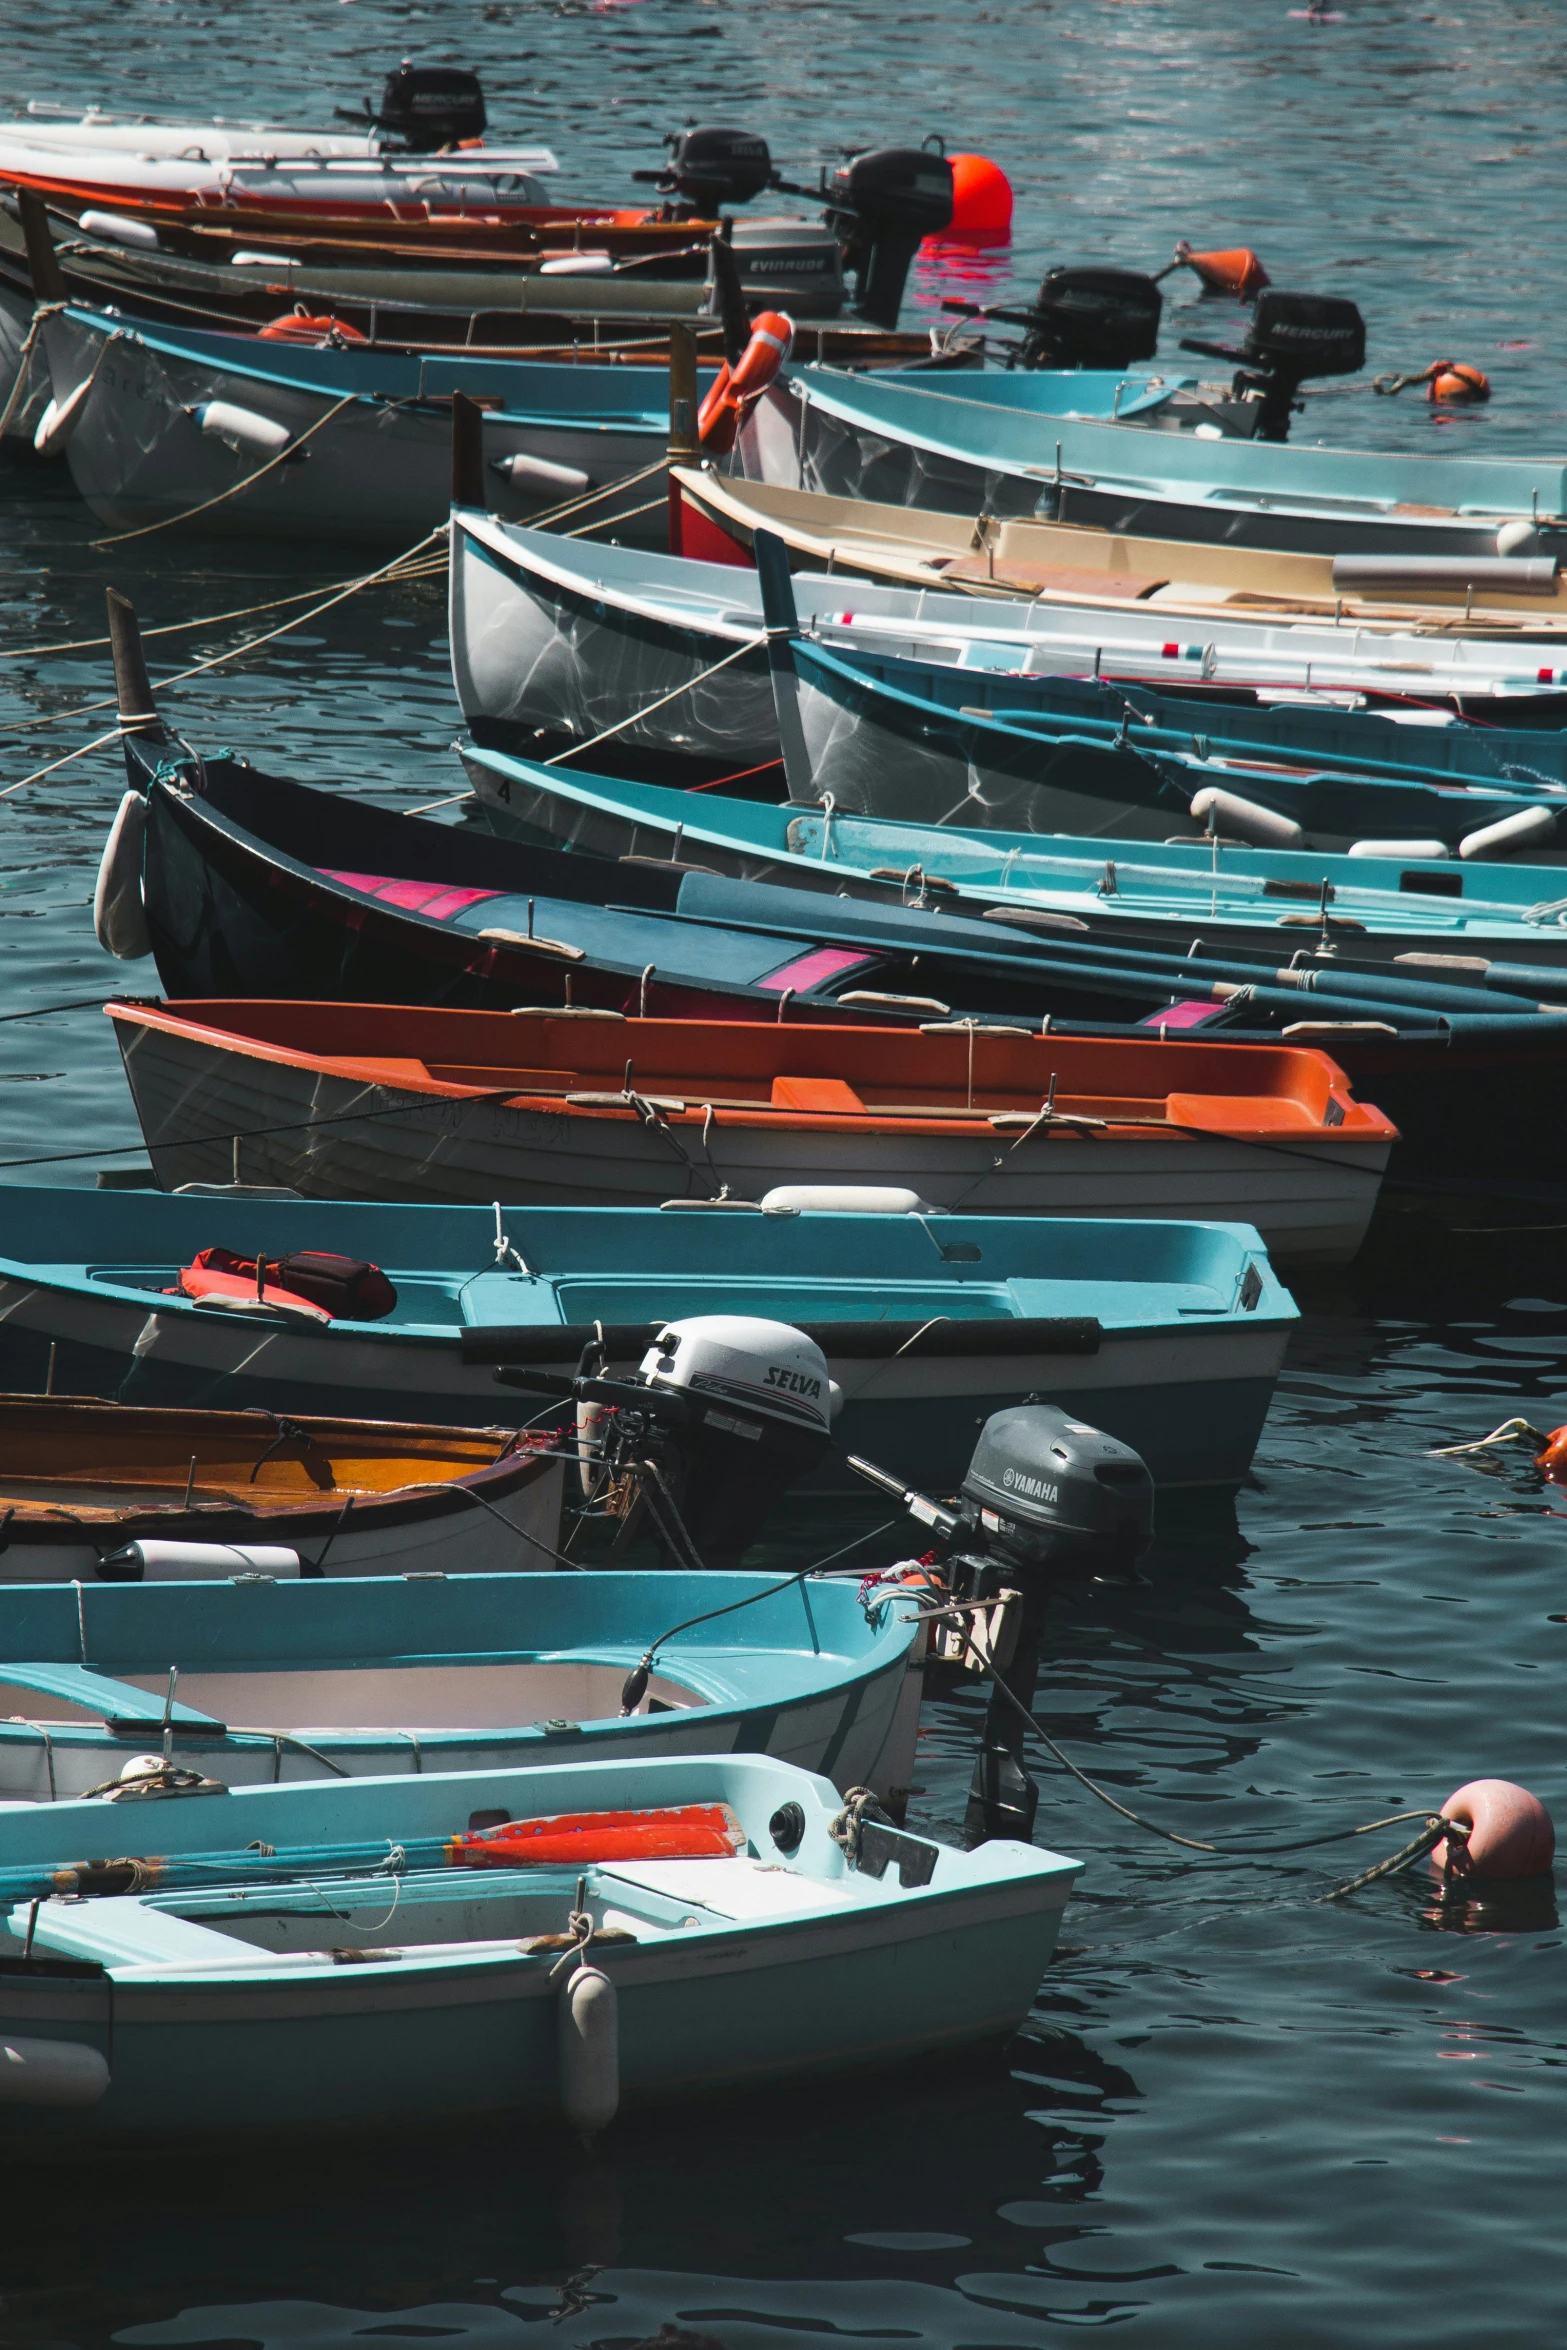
x=828, y=1094
x=81, y=1694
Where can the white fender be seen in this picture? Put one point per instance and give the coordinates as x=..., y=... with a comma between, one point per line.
x=539, y=473
x=1245, y=819
x=119, y=917
x=61, y=418
x=1408, y=852
x=1523, y=830
x=589, y=2051
x=119, y=230
x=241, y=428
x=50, y=2072
x=843, y=1199
x=199, y=1562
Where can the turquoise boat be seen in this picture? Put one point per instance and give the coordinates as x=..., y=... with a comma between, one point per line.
x=990, y=444
x=1385, y=905
x=1167, y=1335
x=328, y=1956
x=263, y=1679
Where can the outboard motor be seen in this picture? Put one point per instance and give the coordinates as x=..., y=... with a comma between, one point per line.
x=1291, y=337
x=724, y=1414
x=1045, y=1497
x=882, y=203
x=1081, y=318
x=426, y=107
x=710, y=168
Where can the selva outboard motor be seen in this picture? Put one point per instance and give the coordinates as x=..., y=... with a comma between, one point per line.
x=1046, y=1498
x=882, y=203
x=1291, y=338
x=724, y=1413
x=709, y=168
x=1090, y=318
x=426, y=107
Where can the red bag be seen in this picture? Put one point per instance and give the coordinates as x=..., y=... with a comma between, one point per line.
x=345, y=1288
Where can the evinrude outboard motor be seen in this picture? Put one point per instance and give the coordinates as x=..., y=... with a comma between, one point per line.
x=426, y=107
x=1291, y=337
x=725, y=1412
x=1045, y=1497
x=882, y=203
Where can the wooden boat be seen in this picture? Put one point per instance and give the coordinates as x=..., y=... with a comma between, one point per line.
x=246, y=1996
x=997, y=445
x=366, y=1101
x=1103, y=580
x=314, y=1681
x=182, y=418
x=271, y=889
x=549, y=634
x=1167, y=1335
x=81, y=1480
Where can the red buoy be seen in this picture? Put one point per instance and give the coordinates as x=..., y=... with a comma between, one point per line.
x=1456, y=384
x=1236, y=272
x=1510, y=1833
x=981, y=198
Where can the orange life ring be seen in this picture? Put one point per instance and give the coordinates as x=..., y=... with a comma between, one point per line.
x=304, y=326
x=718, y=420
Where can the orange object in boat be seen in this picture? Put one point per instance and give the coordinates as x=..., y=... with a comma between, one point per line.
x=1236, y=272
x=572, y=1839
x=304, y=326
x=772, y=339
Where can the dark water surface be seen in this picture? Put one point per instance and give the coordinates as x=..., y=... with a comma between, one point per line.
x=1236, y=2118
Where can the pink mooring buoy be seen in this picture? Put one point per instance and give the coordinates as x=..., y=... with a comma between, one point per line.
x=1510, y=1833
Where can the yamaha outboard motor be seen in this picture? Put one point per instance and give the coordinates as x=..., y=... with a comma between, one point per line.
x=426, y=107
x=724, y=1414
x=1291, y=337
x=710, y=168
x=1045, y=1497
x=882, y=204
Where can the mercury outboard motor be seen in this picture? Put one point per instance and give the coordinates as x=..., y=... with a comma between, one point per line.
x=426, y=107
x=724, y=1414
x=882, y=203
x=1045, y=1497
x=1291, y=337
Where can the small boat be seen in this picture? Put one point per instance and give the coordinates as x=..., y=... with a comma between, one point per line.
x=83, y=1482
x=1414, y=629
x=995, y=445
x=552, y=637
x=222, y=407
x=345, y=1101
x=1167, y=1335
x=259, y=1681
x=305, y=1957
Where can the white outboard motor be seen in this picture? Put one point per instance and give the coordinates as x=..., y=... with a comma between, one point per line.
x=724, y=1414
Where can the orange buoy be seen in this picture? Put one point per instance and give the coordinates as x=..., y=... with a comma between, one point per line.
x=718, y=419
x=303, y=326
x=1553, y=1461
x=1510, y=1833
x=1456, y=383
x=981, y=198
x=1237, y=273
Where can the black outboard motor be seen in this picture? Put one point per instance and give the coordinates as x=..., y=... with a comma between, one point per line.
x=725, y=1412
x=1045, y=1497
x=710, y=168
x=426, y=107
x=1081, y=318
x=1291, y=337
x=882, y=203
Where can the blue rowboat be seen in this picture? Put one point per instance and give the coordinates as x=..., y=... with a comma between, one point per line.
x=236, y=1993
x=287, y=1680
x=989, y=446
x=174, y=418
x=1167, y=1335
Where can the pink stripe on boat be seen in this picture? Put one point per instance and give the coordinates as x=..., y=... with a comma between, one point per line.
x=1190, y=1014
x=808, y=971
x=432, y=898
